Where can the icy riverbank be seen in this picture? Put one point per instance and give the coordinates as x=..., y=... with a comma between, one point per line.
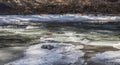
x=57, y=18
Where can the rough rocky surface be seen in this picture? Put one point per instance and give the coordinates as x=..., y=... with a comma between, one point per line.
x=59, y=6
x=106, y=58
x=61, y=54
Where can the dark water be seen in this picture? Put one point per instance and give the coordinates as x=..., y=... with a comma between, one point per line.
x=95, y=37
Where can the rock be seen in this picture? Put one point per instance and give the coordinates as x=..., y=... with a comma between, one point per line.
x=106, y=58
x=49, y=47
x=60, y=54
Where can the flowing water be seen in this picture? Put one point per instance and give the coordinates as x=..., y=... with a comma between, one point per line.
x=95, y=37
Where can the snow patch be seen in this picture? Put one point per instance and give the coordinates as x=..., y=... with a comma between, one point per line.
x=61, y=54
x=106, y=58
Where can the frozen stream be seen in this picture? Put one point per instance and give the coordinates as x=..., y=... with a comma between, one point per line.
x=95, y=39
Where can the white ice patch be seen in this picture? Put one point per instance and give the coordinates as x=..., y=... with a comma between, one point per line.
x=106, y=58
x=61, y=54
x=57, y=18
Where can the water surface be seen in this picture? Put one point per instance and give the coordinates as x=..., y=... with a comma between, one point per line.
x=95, y=37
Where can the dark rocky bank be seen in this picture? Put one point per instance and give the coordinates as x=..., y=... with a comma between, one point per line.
x=59, y=6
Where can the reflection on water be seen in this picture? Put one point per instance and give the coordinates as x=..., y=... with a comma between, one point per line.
x=96, y=38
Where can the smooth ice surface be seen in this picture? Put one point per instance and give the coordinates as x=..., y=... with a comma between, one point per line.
x=57, y=18
x=61, y=54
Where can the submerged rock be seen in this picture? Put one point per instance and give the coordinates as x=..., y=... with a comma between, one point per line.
x=60, y=54
x=106, y=58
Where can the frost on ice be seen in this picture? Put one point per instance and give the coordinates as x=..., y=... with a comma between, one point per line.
x=51, y=54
